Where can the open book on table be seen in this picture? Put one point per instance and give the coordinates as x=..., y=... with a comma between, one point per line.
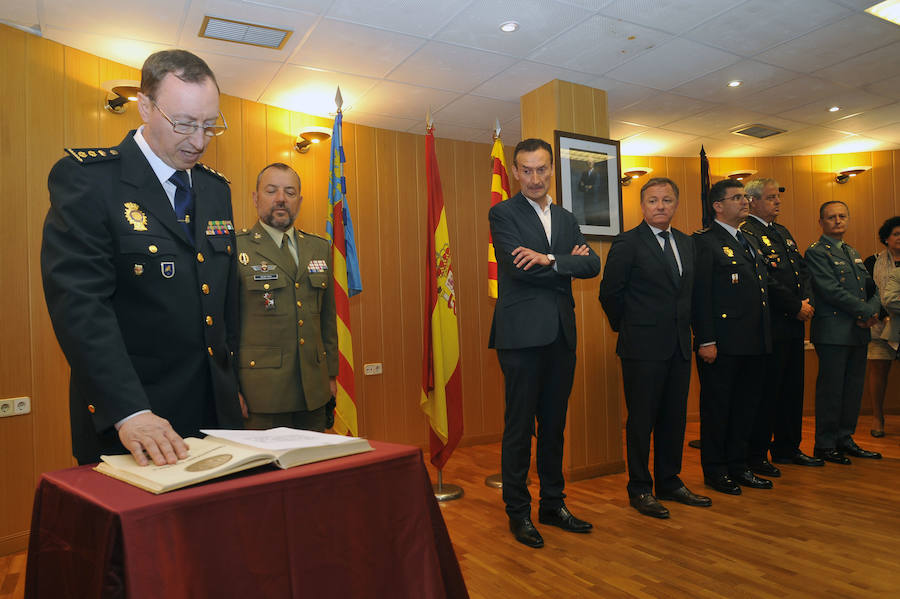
x=224, y=452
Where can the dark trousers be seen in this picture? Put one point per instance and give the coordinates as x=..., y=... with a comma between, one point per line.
x=839, y=389
x=729, y=395
x=538, y=382
x=780, y=413
x=656, y=397
x=313, y=420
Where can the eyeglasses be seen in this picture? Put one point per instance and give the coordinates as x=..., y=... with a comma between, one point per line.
x=189, y=128
x=737, y=197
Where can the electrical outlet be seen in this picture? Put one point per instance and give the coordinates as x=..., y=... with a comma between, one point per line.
x=15, y=406
x=374, y=368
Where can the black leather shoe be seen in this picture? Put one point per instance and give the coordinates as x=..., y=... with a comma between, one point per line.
x=858, y=452
x=525, y=532
x=765, y=468
x=684, y=495
x=722, y=483
x=564, y=519
x=832, y=455
x=647, y=504
x=801, y=459
x=748, y=479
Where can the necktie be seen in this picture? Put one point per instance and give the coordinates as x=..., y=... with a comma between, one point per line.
x=743, y=241
x=184, y=201
x=670, y=253
x=287, y=256
x=773, y=232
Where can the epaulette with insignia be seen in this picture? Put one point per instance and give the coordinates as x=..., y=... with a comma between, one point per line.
x=89, y=155
x=701, y=231
x=813, y=244
x=213, y=171
x=304, y=233
x=243, y=232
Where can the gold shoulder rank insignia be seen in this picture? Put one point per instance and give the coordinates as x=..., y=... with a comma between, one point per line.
x=90, y=155
x=301, y=233
x=766, y=241
x=135, y=216
x=214, y=172
x=728, y=251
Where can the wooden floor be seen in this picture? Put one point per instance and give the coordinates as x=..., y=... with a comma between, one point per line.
x=821, y=532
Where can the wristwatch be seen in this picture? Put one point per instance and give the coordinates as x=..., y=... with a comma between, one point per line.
x=552, y=258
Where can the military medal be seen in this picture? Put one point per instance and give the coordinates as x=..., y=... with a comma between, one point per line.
x=135, y=217
x=789, y=241
x=734, y=278
x=315, y=266
x=765, y=240
x=243, y=258
x=138, y=270
x=264, y=267
x=257, y=236
x=728, y=251
x=219, y=227
x=167, y=269
x=268, y=301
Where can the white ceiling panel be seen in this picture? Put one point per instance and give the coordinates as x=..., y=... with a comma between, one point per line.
x=620, y=130
x=715, y=148
x=312, y=91
x=757, y=25
x=870, y=119
x=756, y=76
x=867, y=68
x=861, y=33
x=380, y=121
x=312, y=6
x=475, y=110
x=21, y=13
x=890, y=133
x=658, y=143
x=405, y=101
x=478, y=25
x=792, y=139
x=618, y=94
x=717, y=120
x=155, y=19
x=790, y=95
x=511, y=134
x=416, y=17
x=817, y=112
x=889, y=87
x=525, y=76
x=445, y=66
x=850, y=144
x=599, y=45
x=241, y=77
x=671, y=16
x=125, y=51
x=349, y=48
x=672, y=64
x=660, y=109
x=459, y=132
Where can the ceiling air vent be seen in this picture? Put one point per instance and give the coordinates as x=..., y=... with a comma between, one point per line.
x=243, y=33
x=758, y=131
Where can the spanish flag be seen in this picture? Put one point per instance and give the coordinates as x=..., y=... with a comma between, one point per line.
x=499, y=193
x=441, y=380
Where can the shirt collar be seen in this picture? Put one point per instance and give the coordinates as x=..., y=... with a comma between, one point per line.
x=765, y=224
x=162, y=170
x=276, y=235
x=834, y=241
x=657, y=231
x=537, y=206
x=728, y=228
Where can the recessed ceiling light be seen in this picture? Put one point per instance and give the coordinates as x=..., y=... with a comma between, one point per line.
x=889, y=10
x=509, y=26
x=735, y=83
x=834, y=109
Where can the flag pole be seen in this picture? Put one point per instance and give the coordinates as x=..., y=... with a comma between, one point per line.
x=444, y=492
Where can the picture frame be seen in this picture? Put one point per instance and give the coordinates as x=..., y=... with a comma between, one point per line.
x=589, y=182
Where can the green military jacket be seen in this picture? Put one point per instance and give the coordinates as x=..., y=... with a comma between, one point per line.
x=288, y=346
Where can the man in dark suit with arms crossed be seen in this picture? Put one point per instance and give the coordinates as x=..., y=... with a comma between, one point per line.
x=539, y=249
x=139, y=271
x=646, y=294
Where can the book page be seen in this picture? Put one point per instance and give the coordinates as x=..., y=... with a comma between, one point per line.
x=280, y=439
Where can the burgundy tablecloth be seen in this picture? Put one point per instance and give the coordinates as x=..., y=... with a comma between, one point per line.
x=360, y=526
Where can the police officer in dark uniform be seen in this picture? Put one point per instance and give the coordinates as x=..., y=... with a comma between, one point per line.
x=731, y=337
x=140, y=277
x=780, y=413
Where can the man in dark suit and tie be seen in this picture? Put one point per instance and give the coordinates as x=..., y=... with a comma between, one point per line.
x=539, y=248
x=779, y=420
x=732, y=337
x=646, y=294
x=847, y=305
x=139, y=271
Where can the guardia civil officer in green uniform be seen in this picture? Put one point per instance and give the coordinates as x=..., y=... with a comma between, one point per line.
x=847, y=305
x=289, y=356
x=140, y=277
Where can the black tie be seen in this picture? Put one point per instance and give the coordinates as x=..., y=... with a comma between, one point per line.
x=743, y=241
x=669, y=253
x=184, y=201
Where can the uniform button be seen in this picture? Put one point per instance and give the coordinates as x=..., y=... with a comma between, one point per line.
x=200, y=257
x=300, y=322
x=152, y=249
x=91, y=408
x=209, y=320
x=296, y=285
x=324, y=284
x=228, y=248
x=299, y=304
x=764, y=303
x=209, y=349
x=252, y=363
x=266, y=286
x=302, y=341
x=205, y=289
x=724, y=316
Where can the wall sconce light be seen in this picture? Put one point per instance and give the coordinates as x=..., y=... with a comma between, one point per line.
x=741, y=174
x=635, y=172
x=844, y=175
x=119, y=93
x=309, y=136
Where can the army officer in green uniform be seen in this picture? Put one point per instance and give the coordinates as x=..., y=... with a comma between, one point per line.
x=288, y=357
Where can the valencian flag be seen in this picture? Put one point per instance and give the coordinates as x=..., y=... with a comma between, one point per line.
x=441, y=381
x=347, y=282
x=704, y=188
x=499, y=193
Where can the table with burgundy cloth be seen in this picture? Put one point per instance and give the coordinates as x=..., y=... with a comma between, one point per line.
x=365, y=525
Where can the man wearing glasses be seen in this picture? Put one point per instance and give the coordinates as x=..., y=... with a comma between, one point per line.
x=140, y=278
x=731, y=336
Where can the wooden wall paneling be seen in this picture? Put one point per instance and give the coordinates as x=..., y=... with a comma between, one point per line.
x=82, y=99
x=367, y=228
x=676, y=169
x=857, y=194
x=16, y=434
x=882, y=192
x=689, y=203
x=113, y=127
x=229, y=157
x=895, y=159
x=254, y=158
x=805, y=227
x=781, y=171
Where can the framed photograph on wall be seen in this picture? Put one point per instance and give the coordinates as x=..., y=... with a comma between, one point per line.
x=588, y=182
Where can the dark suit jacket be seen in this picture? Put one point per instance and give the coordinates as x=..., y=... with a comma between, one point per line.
x=532, y=304
x=789, y=280
x=839, y=285
x=644, y=301
x=146, y=318
x=730, y=304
